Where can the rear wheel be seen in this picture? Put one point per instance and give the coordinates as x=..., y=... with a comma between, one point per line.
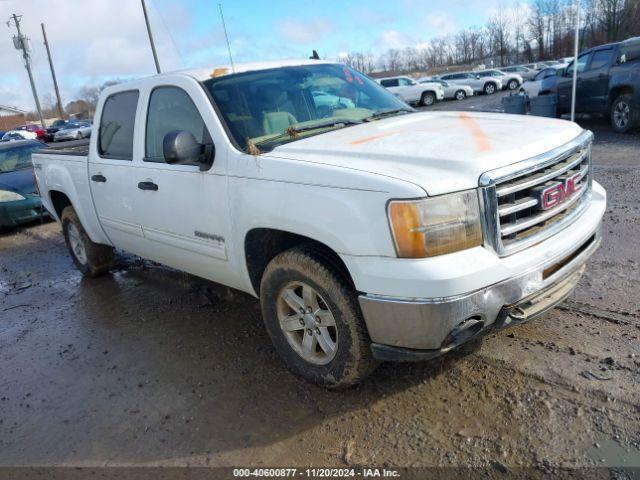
x=92, y=259
x=460, y=95
x=312, y=316
x=623, y=114
x=427, y=99
x=489, y=88
x=513, y=84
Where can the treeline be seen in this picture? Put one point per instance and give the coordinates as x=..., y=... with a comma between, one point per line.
x=522, y=33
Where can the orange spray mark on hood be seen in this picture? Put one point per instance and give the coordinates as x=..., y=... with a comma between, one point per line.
x=479, y=137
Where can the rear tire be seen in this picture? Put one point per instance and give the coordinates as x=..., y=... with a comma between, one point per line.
x=513, y=84
x=427, y=99
x=624, y=117
x=489, y=88
x=92, y=259
x=460, y=95
x=328, y=344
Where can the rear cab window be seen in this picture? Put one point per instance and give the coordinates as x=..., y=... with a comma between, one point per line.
x=115, y=137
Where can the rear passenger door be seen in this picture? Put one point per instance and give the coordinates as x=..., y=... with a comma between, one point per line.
x=183, y=211
x=111, y=171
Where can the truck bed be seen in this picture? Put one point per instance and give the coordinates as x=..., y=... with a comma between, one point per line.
x=73, y=147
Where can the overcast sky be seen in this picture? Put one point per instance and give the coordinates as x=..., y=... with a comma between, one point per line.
x=96, y=40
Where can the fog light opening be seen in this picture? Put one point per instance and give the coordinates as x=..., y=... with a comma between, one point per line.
x=464, y=332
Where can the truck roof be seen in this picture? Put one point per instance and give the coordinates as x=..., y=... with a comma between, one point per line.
x=202, y=74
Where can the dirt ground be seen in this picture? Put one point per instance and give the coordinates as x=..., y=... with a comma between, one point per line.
x=148, y=367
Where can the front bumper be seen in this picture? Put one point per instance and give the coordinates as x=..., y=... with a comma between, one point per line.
x=412, y=327
x=21, y=211
x=508, y=303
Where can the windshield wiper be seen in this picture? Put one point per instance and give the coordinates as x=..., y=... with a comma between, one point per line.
x=294, y=130
x=388, y=113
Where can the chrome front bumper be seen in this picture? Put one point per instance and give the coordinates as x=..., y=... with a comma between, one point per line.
x=425, y=328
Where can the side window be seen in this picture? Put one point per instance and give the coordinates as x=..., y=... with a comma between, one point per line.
x=550, y=72
x=391, y=82
x=601, y=59
x=116, y=125
x=582, y=64
x=629, y=53
x=405, y=82
x=170, y=109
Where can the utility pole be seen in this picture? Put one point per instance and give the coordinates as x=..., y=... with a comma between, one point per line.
x=53, y=73
x=153, y=45
x=20, y=42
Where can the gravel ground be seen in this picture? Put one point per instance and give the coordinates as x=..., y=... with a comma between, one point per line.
x=150, y=367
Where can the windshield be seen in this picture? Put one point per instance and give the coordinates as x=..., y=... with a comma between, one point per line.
x=16, y=156
x=266, y=108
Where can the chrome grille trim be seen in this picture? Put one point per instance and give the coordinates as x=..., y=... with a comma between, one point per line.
x=506, y=235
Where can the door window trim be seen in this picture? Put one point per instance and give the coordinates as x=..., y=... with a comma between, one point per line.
x=133, y=144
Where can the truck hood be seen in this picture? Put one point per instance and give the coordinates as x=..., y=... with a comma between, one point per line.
x=441, y=152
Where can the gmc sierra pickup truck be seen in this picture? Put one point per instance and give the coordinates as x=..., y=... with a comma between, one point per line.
x=370, y=232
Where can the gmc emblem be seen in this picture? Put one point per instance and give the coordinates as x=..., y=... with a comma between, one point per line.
x=549, y=196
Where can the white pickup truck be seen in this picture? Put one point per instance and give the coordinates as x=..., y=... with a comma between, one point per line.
x=370, y=232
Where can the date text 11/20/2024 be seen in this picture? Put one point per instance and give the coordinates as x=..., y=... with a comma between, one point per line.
x=316, y=472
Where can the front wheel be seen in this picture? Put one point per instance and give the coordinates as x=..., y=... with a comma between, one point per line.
x=312, y=316
x=460, y=95
x=623, y=115
x=427, y=99
x=489, y=88
x=92, y=259
x=513, y=84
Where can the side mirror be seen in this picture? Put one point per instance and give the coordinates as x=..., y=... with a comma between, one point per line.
x=180, y=147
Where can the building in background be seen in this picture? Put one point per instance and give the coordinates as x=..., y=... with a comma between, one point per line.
x=11, y=118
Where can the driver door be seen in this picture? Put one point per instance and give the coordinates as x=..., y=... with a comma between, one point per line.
x=183, y=211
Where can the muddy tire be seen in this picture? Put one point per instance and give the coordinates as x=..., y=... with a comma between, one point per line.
x=427, y=99
x=312, y=315
x=92, y=259
x=624, y=117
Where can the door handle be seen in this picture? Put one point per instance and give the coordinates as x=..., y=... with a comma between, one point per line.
x=98, y=178
x=147, y=186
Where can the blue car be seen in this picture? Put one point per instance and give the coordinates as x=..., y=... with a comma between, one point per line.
x=19, y=198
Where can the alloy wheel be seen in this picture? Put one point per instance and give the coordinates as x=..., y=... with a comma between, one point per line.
x=621, y=114
x=307, y=322
x=77, y=246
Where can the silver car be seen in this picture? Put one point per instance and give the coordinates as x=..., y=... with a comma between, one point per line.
x=510, y=80
x=524, y=72
x=451, y=92
x=73, y=131
x=488, y=86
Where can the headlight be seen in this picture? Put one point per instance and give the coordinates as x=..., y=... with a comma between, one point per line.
x=7, y=196
x=435, y=226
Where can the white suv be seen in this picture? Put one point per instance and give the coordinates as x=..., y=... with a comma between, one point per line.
x=410, y=91
x=488, y=86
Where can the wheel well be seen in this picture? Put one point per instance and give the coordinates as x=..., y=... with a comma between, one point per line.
x=620, y=90
x=59, y=201
x=488, y=82
x=261, y=245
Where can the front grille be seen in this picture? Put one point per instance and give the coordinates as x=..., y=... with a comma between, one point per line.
x=516, y=214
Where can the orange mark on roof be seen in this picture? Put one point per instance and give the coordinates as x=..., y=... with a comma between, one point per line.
x=219, y=72
x=374, y=137
x=479, y=137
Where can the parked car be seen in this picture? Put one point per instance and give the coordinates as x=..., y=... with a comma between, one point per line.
x=536, y=66
x=12, y=135
x=30, y=127
x=534, y=86
x=326, y=103
x=19, y=197
x=509, y=80
x=608, y=83
x=380, y=233
x=53, y=128
x=566, y=60
x=524, y=72
x=451, y=92
x=410, y=91
x=73, y=131
x=488, y=86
